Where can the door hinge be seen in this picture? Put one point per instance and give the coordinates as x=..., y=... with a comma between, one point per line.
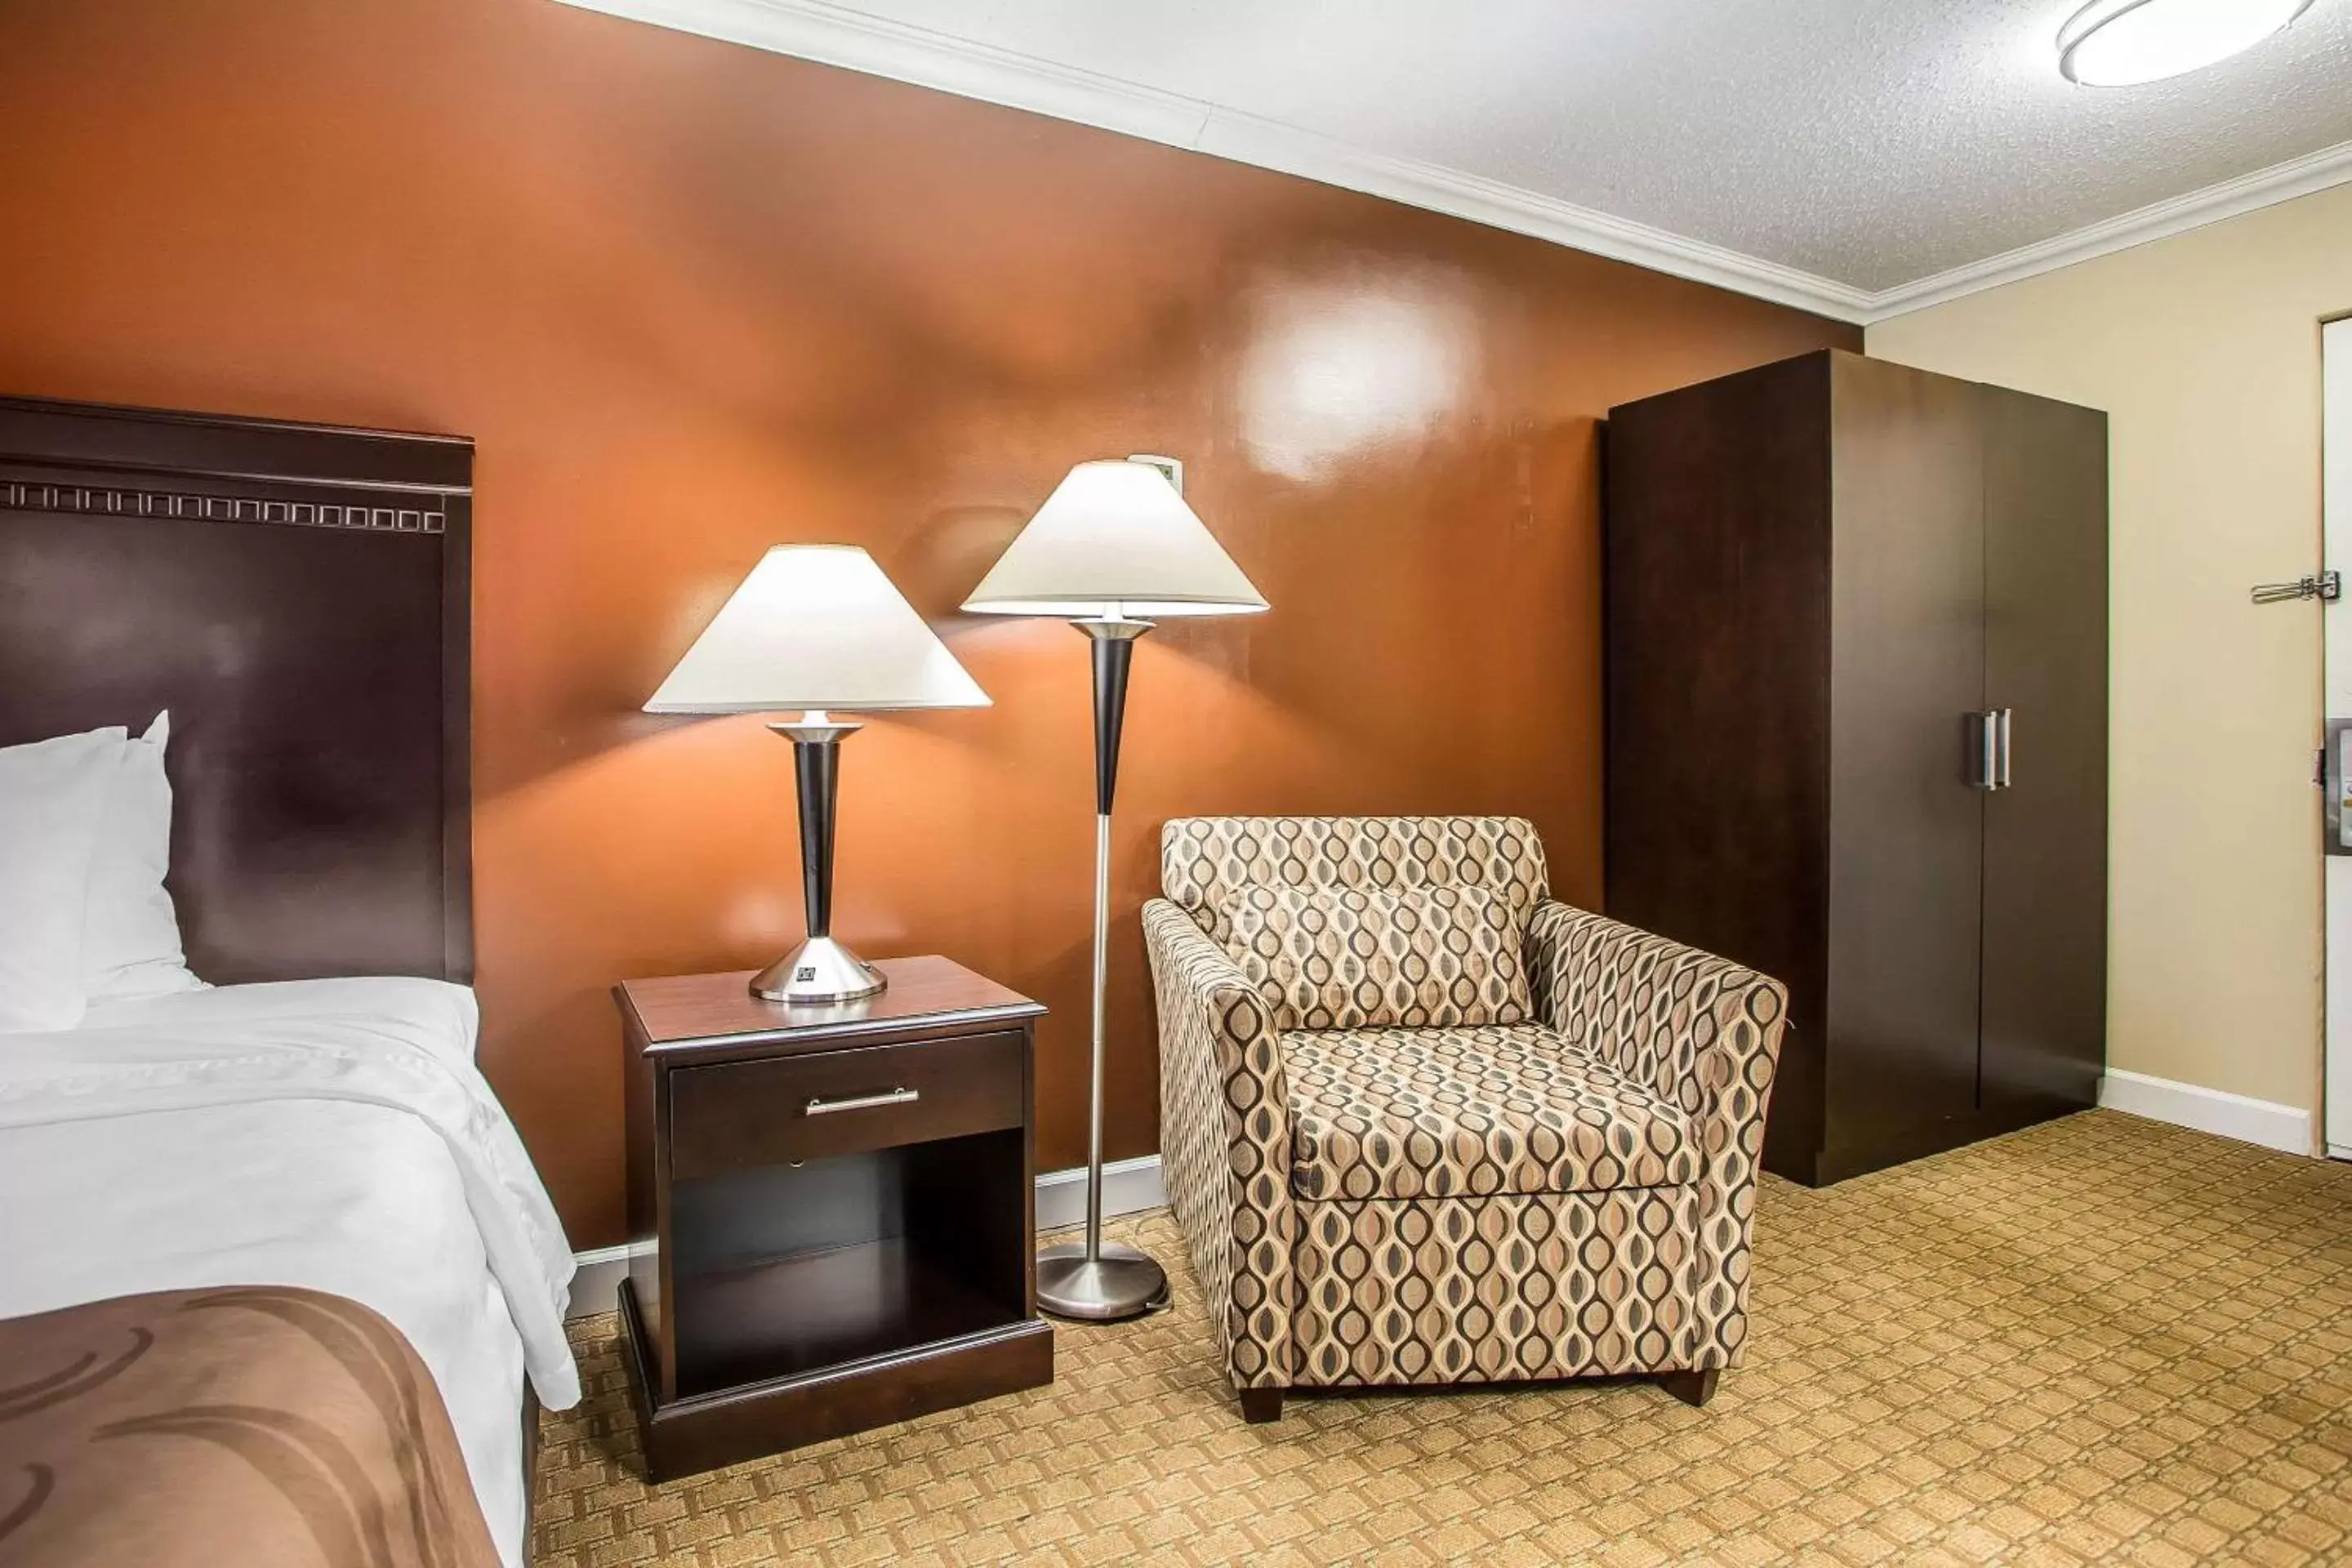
x=2327, y=587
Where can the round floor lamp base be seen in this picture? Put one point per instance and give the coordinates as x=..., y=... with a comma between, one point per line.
x=1120, y=1283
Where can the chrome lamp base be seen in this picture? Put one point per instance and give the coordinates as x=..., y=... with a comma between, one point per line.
x=1119, y=1282
x=819, y=970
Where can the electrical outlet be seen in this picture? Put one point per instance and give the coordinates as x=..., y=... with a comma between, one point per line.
x=1173, y=468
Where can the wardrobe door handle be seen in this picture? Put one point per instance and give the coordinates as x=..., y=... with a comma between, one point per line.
x=2001, y=749
x=1984, y=754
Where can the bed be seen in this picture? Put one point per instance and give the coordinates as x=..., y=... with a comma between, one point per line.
x=308, y=1149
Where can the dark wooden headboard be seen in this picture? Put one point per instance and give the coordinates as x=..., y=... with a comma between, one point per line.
x=298, y=596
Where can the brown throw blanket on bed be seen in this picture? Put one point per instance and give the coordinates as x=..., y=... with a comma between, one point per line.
x=265, y=1428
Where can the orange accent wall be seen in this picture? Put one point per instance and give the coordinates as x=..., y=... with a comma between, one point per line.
x=692, y=301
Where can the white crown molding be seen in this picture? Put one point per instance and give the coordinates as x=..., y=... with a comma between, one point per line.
x=833, y=35
x=1267, y=144
x=2302, y=176
x=836, y=36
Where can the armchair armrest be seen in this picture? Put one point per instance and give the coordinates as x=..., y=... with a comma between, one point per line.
x=1225, y=1120
x=1705, y=1033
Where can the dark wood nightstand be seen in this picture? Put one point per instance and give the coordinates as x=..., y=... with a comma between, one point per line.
x=832, y=1210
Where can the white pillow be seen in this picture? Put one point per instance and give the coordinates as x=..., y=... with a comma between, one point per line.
x=52, y=795
x=131, y=933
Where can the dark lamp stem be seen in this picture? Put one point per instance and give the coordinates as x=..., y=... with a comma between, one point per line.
x=816, y=776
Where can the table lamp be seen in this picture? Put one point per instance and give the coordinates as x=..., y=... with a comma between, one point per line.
x=816, y=627
x=1112, y=546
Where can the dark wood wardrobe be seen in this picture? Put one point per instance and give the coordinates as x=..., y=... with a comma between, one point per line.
x=1857, y=735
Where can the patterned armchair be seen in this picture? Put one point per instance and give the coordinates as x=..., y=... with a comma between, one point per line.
x=1422, y=1125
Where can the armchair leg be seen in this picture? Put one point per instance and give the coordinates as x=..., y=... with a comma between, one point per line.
x=1260, y=1405
x=1691, y=1387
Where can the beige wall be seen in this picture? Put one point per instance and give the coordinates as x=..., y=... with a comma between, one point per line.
x=2204, y=348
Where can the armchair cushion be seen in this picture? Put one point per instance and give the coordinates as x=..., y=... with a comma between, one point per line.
x=1345, y=958
x=1204, y=859
x=1452, y=1112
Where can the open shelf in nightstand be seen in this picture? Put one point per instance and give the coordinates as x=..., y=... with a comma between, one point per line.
x=785, y=1269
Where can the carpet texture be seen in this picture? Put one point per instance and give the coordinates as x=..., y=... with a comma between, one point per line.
x=2104, y=1339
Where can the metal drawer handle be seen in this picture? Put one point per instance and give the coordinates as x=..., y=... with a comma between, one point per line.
x=863, y=1101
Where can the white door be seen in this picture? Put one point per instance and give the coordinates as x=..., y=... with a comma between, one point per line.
x=2335, y=349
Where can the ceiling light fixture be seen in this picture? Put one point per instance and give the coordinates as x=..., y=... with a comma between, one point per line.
x=2121, y=42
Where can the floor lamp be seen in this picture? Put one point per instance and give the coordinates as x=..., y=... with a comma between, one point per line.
x=819, y=629
x=1113, y=549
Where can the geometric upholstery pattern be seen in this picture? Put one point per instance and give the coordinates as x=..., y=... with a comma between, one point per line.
x=1469, y=1112
x=1343, y=958
x=1527, y=1285
x=1700, y=1030
x=1205, y=860
x=1342, y=1237
x=1224, y=1142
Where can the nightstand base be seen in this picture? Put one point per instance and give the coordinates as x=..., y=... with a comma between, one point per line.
x=684, y=1437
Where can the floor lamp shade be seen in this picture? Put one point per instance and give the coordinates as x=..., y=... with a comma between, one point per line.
x=1113, y=544
x=1115, y=535
x=816, y=627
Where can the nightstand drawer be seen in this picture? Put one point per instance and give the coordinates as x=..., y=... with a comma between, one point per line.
x=736, y=1115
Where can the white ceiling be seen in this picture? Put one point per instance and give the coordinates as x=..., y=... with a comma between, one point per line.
x=1857, y=156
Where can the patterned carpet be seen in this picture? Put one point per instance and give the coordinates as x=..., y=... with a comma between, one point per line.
x=2100, y=1340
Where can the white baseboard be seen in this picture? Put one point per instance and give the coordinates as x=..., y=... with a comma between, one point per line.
x=1129, y=1186
x=2262, y=1121
x=596, y=1284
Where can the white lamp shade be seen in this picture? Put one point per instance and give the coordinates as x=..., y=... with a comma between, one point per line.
x=1115, y=534
x=816, y=626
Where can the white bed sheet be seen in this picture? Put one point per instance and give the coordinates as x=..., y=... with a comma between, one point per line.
x=108, y=1190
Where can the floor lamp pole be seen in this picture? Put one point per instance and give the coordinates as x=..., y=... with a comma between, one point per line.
x=1102, y=1281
